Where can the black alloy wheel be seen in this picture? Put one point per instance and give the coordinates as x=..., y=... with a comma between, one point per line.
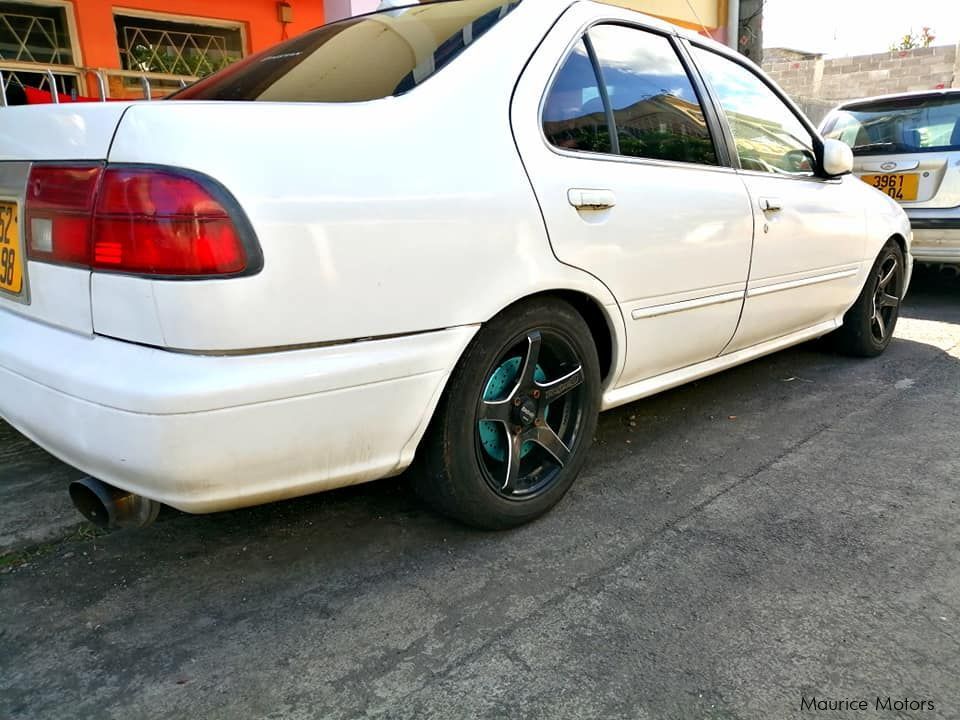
x=869, y=324
x=517, y=417
x=886, y=298
x=529, y=415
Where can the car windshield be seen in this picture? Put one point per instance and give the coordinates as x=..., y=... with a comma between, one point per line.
x=902, y=125
x=363, y=58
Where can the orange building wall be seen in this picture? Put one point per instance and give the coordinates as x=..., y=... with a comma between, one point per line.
x=98, y=35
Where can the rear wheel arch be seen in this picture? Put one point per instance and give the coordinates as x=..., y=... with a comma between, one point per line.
x=594, y=314
x=600, y=322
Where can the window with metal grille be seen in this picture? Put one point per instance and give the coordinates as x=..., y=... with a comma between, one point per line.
x=151, y=45
x=35, y=35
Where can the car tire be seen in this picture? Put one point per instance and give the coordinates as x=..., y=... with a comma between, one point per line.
x=529, y=379
x=869, y=324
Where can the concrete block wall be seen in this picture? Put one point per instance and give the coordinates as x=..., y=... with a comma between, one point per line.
x=837, y=79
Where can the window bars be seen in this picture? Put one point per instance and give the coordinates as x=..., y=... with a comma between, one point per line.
x=33, y=38
x=169, y=49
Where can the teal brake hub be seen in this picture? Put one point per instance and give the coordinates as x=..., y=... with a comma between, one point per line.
x=492, y=433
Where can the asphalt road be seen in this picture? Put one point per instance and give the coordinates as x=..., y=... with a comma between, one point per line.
x=787, y=529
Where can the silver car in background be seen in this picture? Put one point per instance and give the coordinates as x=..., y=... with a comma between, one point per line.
x=908, y=146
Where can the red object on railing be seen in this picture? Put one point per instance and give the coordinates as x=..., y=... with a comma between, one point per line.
x=42, y=97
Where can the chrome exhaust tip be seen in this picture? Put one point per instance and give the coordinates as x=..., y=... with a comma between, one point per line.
x=109, y=507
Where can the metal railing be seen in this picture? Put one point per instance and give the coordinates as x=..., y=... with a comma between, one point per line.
x=146, y=79
x=12, y=70
x=101, y=76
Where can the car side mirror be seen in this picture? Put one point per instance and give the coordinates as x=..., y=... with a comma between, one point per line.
x=799, y=161
x=837, y=158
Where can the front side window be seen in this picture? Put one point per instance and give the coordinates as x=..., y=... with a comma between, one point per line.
x=656, y=112
x=364, y=58
x=903, y=125
x=769, y=136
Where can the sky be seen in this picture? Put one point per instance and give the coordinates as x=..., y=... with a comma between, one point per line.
x=856, y=27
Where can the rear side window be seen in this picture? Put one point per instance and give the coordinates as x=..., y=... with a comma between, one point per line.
x=915, y=124
x=364, y=58
x=655, y=110
x=574, y=116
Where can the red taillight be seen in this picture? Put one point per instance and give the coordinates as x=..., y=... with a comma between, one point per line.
x=59, y=212
x=146, y=221
x=160, y=223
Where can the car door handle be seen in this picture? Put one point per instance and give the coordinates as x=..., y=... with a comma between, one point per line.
x=585, y=199
x=771, y=204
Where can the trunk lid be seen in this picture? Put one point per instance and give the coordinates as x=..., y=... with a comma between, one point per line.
x=936, y=177
x=905, y=145
x=53, y=294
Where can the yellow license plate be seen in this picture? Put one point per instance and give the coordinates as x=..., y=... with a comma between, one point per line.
x=11, y=264
x=902, y=186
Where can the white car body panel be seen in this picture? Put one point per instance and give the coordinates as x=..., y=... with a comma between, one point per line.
x=206, y=433
x=320, y=231
x=807, y=256
x=391, y=231
x=59, y=132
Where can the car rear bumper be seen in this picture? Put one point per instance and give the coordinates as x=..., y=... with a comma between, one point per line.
x=936, y=236
x=936, y=246
x=204, y=433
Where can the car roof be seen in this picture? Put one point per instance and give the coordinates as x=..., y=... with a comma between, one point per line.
x=647, y=19
x=936, y=92
x=561, y=6
x=554, y=5
x=656, y=22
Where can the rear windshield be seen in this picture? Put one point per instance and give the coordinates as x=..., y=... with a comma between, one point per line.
x=905, y=125
x=364, y=58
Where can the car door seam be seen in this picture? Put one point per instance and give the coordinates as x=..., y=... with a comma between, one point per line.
x=615, y=371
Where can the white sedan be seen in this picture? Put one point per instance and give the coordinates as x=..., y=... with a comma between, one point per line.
x=447, y=235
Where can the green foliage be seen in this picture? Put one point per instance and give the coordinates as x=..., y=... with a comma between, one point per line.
x=153, y=59
x=634, y=143
x=591, y=136
x=667, y=146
